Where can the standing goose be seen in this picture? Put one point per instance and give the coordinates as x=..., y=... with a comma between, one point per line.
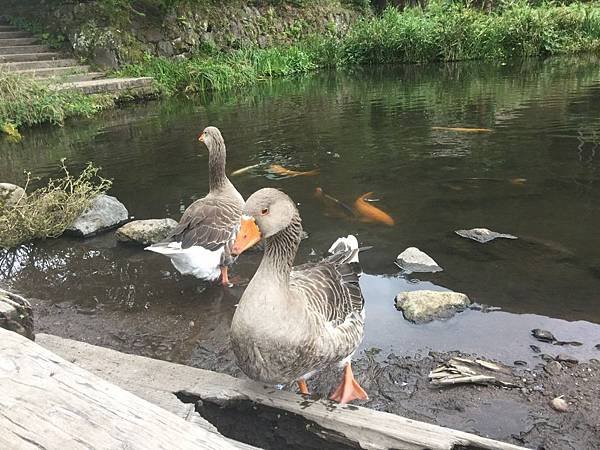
x=201, y=243
x=293, y=321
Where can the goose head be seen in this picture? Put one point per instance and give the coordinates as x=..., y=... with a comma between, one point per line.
x=211, y=137
x=266, y=212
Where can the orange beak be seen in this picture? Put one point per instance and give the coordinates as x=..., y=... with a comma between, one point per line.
x=248, y=236
x=201, y=137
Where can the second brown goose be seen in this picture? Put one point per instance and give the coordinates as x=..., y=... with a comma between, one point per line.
x=200, y=244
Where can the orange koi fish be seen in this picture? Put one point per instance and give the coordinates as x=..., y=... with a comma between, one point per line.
x=463, y=130
x=371, y=213
x=280, y=170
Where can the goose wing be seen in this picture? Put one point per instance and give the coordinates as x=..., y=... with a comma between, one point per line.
x=330, y=287
x=208, y=222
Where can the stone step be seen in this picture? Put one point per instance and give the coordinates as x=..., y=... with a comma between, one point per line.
x=108, y=85
x=29, y=57
x=89, y=76
x=18, y=41
x=53, y=71
x=16, y=49
x=18, y=66
x=8, y=28
x=14, y=34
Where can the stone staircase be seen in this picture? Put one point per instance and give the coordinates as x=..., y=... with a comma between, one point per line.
x=22, y=53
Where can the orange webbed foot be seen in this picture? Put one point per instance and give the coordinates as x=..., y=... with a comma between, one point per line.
x=349, y=389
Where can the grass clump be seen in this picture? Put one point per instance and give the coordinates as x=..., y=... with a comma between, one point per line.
x=451, y=31
x=47, y=212
x=26, y=101
x=219, y=71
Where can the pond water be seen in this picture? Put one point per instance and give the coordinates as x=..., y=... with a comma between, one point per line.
x=535, y=175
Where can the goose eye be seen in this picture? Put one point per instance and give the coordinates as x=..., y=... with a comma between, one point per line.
x=265, y=211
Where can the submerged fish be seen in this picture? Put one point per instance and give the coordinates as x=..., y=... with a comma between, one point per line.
x=371, y=213
x=334, y=206
x=280, y=170
x=463, y=130
x=244, y=170
x=517, y=181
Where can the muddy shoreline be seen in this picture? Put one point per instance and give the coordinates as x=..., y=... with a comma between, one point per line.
x=397, y=384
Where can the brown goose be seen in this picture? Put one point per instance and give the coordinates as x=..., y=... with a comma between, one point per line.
x=293, y=321
x=201, y=243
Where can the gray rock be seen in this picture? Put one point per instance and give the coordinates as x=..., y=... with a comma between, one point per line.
x=559, y=404
x=165, y=48
x=414, y=260
x=543, y=335
x=483, y=235
x=553, y=368
x=597, y=346
x=563, y=357
x=425, y=306
x=105, y=58
x=16, y=314
x=105, y=212
x=145, y=232
x=153, y=35
x=10, y=194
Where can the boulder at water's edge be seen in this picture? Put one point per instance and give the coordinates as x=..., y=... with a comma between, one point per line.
x=104, y=213
x=16, y=314
x=10, y=194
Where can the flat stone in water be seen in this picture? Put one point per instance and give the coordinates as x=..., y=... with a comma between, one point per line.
x=535, y=349
x=573, y=343
x=145, y=232
x=597, y=346
x=483, y=235
x=543, y=335
x=425, y=306
x=566, y=359
x=414, y=260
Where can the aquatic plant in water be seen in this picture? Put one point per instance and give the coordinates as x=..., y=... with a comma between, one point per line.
x=48, y=211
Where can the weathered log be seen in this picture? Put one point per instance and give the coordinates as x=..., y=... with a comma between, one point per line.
x=16, y=314
x=237, y=407
x=47, y=402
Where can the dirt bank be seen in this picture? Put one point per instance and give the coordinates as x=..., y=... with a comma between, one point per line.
x=520, y=415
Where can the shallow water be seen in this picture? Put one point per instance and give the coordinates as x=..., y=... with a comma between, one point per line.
x=535, y=175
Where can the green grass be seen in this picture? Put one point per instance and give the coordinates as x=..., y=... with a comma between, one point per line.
x=220, y=71
x=26, y=101
x=447, y=31
x=443, y=31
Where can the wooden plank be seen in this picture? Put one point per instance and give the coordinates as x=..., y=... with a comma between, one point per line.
x=47, y=402
x=354, y=426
